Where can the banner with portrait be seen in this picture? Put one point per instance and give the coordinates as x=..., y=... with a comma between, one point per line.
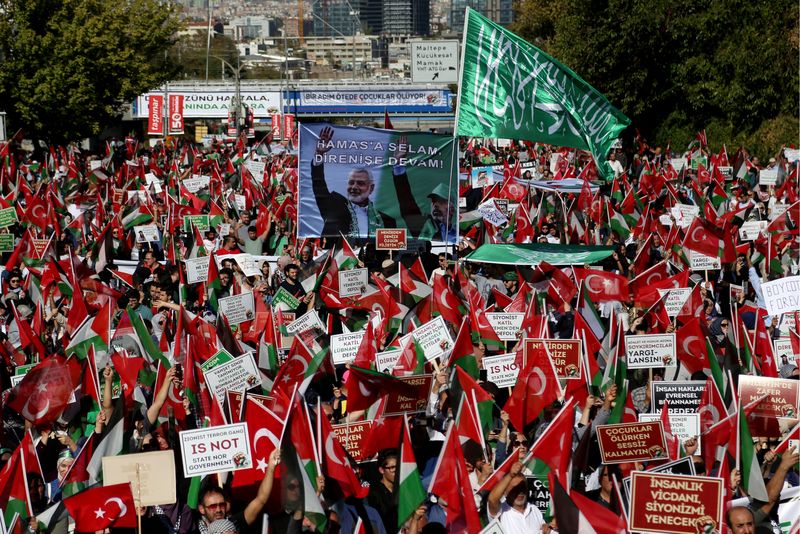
x=355, y=180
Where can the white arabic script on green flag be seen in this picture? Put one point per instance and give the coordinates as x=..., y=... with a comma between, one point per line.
x=512, y=90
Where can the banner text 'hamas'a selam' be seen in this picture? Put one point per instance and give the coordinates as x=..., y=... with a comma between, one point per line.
x=512, y=90
x=354, y=181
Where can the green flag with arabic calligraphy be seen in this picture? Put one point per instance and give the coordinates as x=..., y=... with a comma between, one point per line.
x=512, y=90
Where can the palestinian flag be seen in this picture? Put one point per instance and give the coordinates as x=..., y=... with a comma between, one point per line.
x=411, y=493
x=93, y=331
x=752, y=480
x=137, y=216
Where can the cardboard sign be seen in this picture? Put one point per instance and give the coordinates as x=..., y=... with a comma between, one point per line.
x=151, y=474
x=352, y=436
x=239, y=374
x=222, y=356
x=482, y=177
x=391, y=239
x=39, y=246
x=386, y=360
x=677, y=163
x=684, y=214
x=501, y=370
x=538, y=494
x=783, y=395
x=565, y=354
x=768, y=177
x=782, y=295
x=282, y=300
x=684, y=466
x=200, y=221
x=675, y=503
x=197, y=269
x=701, y=262
x=751, y=230
x=506, y=325
x=248, y=264
x=631, y=442
x=308, y=321
x=676, y=298
x=397, y=403
x=146, y=234
x=238, y=308
x=726, y=171
x=8, y=216
x=650, y=350
x=492, y=214
x=433, y=337
x=684, y=426
x=215, y=450
x=345, y=346
x=353, y=282
x=196, y=183
x=256, y=168
x=681, y=397
x=783, y=347
x=6, y=242
x=778, y=209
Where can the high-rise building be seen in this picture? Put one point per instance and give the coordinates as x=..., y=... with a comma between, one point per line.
x=500, y=11
x=333, y=18
x=406, y=17
x=371, y=15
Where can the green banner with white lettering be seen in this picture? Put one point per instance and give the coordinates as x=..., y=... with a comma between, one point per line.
x=535, y=253
x=512, y=90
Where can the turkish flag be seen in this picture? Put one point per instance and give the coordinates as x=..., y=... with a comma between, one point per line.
x=537, y=386
x=704, y=237
x=335, y=461
x=365, y=386
x=264, y=429
x=691, y=346
x=603, y=286
x=103, y=507
x=43, y=394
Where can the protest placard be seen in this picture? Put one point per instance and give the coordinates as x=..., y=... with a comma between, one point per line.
x=282, y=300
x=222, y=356
x=681, y=396
x=502, y=205
x=565, y=354
x=256, y=168
x=783, y=347
x=196, y=183
x=433, y=337
x=215, y=450
x=677, y=163
x=200, y=221
x=778, y=209
x=676, y=504
x=248, y=264
x=684, y=214
x=352, y=436
x=239, y=374
x=684, y=466
x=153, y=181
x=238, y=308
x=492, y=214
x=6, y=242
x=726, y=171
x=501, y=370
x=650, y=350
x=353, y=282
x=751, y=230
x=197, y=269
x=8, y=216
x=538, y=494
x=782, y=295
x=345, y=346
x=146, y=234
x=676, y=298
x=631, y=442
x=151, y=475
x=386, y=360
x=234, y=405
x=308, y=321
x=768, y=177
x=782, y=395
x=397, y=403
x=39, y=246
x=701, y=262
x=506, y=325
x=391, y=239
x=482, y=176
x=684, y=426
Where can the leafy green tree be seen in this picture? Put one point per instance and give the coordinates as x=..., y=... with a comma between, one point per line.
x=677, y=66
x=68, y=67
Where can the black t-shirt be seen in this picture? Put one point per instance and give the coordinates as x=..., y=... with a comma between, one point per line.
x=385, y=502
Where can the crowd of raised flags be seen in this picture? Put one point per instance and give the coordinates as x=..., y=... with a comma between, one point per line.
x=600, y=353
x=108, y=355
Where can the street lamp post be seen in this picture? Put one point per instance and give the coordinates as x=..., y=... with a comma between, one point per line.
x=238, y=92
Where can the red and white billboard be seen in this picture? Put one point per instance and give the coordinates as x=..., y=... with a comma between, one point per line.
x=155, y=120
x=175, y=114
x=288, y=126
x=276, y=125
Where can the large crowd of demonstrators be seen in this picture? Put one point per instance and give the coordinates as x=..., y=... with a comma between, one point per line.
x=117, y=263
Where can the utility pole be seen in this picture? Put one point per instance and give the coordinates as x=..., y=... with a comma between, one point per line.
x=237, y=103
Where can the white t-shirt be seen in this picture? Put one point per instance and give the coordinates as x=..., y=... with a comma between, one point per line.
x=514, y=522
